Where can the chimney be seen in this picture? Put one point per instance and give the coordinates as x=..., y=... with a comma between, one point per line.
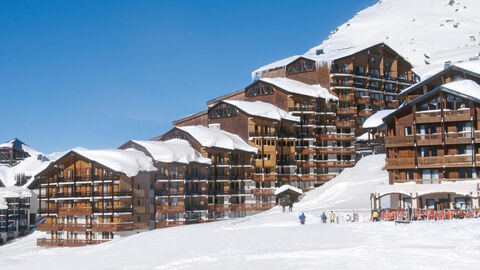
x=215, y=126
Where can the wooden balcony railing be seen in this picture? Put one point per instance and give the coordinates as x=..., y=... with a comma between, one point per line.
x=428, y=117
x=61, y=242
x=457, y=115
x=363, y=100
x=378, y=102
x=264, y=177
x=400, y=163
x=338, y=137
x=308, y=151
x=458, y=137
x=398, y=141
x=325, y=177
x=48, y=227
x=347, y=111
x=306, y=164
x=168, y=209
x=429, y=139
x=336, y=164
x=346, y=98
x=74, y=227
x=365, y=113
x=168, y=223
x=336, y=150
x=112, y=227
x=263, y=192
x=346, y=123
x=393, y=104
x=447, y=161
x=75, y=211
x=308, y=177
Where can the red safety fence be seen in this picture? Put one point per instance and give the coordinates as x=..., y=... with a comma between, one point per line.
x=427, y=214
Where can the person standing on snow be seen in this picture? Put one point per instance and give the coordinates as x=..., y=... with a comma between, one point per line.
x=302, y=218
x=324, y=218
x=332, y=217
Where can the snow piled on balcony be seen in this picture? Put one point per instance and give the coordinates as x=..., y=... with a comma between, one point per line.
x=297, y=87
x=263, y=109
x=213, y=137
x=426, y=33
x=376, y=119
x=29, y=167
x=174, y=150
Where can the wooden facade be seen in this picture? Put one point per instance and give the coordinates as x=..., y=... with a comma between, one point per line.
x=435, y=138
x=85, y=202
x=225, y=192
x=12, y=152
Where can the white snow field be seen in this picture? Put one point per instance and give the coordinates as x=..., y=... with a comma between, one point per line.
x=427, y=33
x=275, y=240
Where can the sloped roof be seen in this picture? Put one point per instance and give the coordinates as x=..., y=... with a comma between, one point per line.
x=262, y=109
x=297, y=87
x=174, y=150
x=213, y=137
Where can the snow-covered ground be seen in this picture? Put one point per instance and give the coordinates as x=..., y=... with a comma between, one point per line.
x=275, y=240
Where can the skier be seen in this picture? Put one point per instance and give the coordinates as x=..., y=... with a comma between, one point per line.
x=332, y=217
x=324, y=218
x=302, y=218
x=375, y=215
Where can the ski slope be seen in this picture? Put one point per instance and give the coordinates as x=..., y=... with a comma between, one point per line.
x=275, y=240
x=426, y=33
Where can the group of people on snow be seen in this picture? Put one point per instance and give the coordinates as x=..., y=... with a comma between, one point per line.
x=286, y=201
x=331, y=217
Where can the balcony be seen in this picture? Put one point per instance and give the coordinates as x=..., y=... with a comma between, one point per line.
x=308, y=151
x=392, y=141
x=42, y=242
x=365, y=113
x=71, y=227
x=346, y=123
x=341, y=84
x=48, y=227
x=263, y=192
x=308, y=177
x=447, y=161
x=262, y=134
x=112, y=227
x=400, y=163
x=346, y=98
x=363, y=100
x=337, y=137
x=264, y=177
x=287, y=177
x=459, y=137
x=336, y=164
x=378, y=102
x=428, y=117
x=347, y=111
x=301, y=109
x=343, y=71
x=168, y=223
x=393, y=104
x=429, y=139
x=336, y=150
x=306, y=164
x=325, y=177
x=457, y=115
x=75, y=211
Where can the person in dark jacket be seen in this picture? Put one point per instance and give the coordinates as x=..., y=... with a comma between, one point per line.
x=324, y=218
x=302, y=218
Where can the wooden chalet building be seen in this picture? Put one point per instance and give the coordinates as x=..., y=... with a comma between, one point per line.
x=229, y=181
x=272, y=131
x=365, y=80
x=434, y=141
x=180, y=181
x=92, y=196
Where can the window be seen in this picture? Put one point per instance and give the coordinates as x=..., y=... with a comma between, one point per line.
x=409, y=175
x=259, y=89
x=408, y=131
x=223, y=111
x=430, y=174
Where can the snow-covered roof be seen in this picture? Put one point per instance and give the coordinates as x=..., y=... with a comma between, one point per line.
x=213, y=137
x=297, y=87
x=418, y=34
x=15, y=192
x=174, y=150
x=364, y=137
x=287, y=187
x=471, y=67
x=465, y=87
x=262, y=109
x=128, y=161
x=415, y=190
x=376, y=119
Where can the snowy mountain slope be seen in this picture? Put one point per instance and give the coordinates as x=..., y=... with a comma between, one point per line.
x=350, y=189
x=30, y=166
x=427, y=33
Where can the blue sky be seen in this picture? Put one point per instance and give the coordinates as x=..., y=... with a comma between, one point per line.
x=98, y=73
